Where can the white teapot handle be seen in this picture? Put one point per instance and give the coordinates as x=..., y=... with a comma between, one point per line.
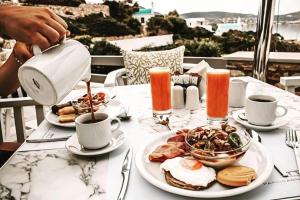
x=37, y=50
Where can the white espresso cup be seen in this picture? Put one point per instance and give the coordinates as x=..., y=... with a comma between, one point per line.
x=95, y=135
x=262, y=110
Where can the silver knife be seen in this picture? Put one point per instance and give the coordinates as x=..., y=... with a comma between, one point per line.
x=253, y=134
x=125, y=172
x=47, y=140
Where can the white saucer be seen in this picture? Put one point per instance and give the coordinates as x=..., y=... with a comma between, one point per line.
x=74, y=147
x=279, y=122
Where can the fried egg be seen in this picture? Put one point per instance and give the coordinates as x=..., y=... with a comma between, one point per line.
x=189, y=171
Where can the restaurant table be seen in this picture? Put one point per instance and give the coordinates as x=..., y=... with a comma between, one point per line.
x=48, y=171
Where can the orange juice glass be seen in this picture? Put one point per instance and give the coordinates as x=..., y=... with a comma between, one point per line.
x=160, y=81
x=217, y=86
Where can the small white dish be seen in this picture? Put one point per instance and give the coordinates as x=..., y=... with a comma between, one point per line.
x=72, y=145
x=257, y=157
x=279, y=122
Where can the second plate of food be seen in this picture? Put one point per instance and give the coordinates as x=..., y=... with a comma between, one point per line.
x=257, y=159
x=112, y=108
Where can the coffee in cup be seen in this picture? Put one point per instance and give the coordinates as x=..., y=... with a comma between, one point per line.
x=262, y=110
x=95, y=134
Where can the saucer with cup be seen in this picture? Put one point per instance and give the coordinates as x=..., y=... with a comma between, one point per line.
x=262, y=113
x=95, y=137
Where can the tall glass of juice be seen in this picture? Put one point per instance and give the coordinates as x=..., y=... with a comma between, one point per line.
x=160, y=81
x=217, y=86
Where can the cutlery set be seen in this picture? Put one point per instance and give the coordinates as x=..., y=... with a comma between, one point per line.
x=291, y=140
x=125, y=173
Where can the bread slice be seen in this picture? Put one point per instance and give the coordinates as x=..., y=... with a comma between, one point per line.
x=66, y=118
x=66, y=110
x=177, y=183
x=236, y=176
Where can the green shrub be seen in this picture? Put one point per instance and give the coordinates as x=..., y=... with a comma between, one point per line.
x=157, y=24
x=235, y=40
x=109, y=27
x=98, y=25
x=134, y=25
x=207, y=48
x=85, y=40
x=105, y=48
x=76, y=28
x=202, y=48
x=120, y=10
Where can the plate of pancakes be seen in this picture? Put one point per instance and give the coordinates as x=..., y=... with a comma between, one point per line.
x=168, y=163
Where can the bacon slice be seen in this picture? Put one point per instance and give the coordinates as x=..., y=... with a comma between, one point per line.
x=176, y=138
x=164, y=152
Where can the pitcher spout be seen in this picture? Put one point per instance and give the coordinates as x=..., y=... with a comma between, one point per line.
x=87, y=75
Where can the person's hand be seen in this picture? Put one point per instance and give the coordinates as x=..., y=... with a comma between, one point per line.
x=21, y=52
x=32, y=25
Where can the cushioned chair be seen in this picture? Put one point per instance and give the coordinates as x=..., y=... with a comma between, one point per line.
x=137, y=65
x=119, y=77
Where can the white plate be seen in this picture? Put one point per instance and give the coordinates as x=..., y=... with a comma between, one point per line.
x=279, y=122
x=74, y=147
x=257, y=157
x=113, y=108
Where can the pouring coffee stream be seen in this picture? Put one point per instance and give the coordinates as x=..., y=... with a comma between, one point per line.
x=88, y=86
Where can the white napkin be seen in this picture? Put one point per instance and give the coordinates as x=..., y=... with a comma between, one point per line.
x=47, y=131
x=283, y=156
x=201, y=68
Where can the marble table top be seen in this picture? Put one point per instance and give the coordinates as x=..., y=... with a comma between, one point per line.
x=57, y=174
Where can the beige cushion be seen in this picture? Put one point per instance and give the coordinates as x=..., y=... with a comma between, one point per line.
x=137, y=64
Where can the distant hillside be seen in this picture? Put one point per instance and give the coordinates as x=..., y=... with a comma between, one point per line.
x=286, y=17
x=216, y=15
x=290, y=16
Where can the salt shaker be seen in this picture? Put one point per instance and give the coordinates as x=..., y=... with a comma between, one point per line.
x=177, y=97
x=192, y=98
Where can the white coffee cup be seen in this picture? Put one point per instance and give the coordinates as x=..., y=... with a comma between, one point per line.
x=261, y=110
x=95, y=135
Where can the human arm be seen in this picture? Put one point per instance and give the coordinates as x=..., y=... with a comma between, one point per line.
x=9, y=81
x=32, y=25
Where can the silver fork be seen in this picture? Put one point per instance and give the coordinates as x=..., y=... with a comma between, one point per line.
x=292, y=140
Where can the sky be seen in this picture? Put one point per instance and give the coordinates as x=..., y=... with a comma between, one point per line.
x=239, y=6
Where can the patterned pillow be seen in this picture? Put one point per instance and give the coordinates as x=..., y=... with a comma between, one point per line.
x=138, y=64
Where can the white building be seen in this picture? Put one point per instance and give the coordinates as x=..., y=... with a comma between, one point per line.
x=198, y=22
x=143, y=15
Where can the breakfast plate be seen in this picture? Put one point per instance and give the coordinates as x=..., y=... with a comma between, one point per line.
x=257, y=157
x=279, y=122
x=72, y=145
x=112, y=108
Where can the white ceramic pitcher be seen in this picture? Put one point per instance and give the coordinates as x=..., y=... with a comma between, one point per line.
x=237, y=93
x=50, y=75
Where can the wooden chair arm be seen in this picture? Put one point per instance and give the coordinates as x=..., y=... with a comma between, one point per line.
x=9, y=146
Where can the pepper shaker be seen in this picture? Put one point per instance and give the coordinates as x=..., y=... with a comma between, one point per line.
x=192, y=98
x=177, y=97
